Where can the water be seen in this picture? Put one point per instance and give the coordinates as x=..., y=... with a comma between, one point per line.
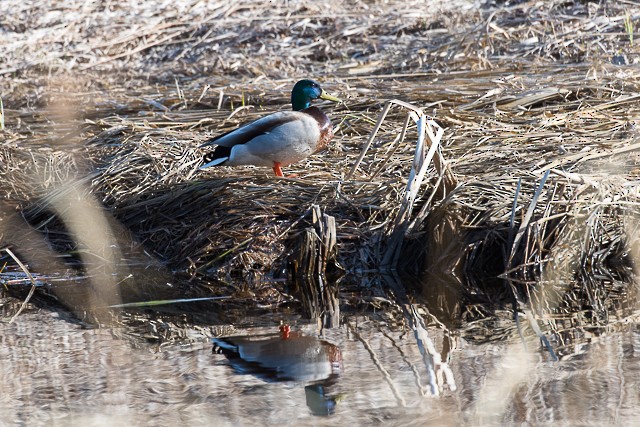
x=55, y=372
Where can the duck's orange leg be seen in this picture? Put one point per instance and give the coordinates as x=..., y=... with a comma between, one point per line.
x=285, y=331
x=277, y=169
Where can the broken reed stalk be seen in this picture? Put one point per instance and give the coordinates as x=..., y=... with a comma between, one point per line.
x=524, y=225
x=317, y=247
x=527, y=218
x=416, y=176
x=422, y=159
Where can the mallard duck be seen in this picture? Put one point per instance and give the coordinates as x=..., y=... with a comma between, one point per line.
x=278, y=139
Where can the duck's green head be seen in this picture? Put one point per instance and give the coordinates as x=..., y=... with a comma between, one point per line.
x=306, y=91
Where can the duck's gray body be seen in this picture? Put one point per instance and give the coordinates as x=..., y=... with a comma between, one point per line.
x=285, y=137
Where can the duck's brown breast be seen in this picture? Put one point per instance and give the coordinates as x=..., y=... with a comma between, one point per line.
x=326, y=129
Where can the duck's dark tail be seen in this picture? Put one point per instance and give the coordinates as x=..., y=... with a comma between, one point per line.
x=217, y=157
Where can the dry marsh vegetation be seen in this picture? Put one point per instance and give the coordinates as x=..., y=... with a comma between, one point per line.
x=539, y=102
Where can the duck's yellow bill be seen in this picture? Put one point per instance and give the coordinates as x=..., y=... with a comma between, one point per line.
x=325, y=95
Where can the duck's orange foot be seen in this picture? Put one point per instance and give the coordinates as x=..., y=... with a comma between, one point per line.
x=285, y=331
x=277, y=170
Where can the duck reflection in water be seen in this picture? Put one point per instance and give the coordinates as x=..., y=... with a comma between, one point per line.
x=288, y=356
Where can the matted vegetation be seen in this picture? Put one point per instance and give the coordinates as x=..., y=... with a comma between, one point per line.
x=520, y=88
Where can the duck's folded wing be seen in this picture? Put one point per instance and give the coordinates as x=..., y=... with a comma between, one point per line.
x=248, y=132
x=287, y=143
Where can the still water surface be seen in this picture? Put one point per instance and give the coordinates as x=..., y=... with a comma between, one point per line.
x=55, y=372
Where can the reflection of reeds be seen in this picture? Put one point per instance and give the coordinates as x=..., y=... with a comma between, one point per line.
x=575, y=297
x=507, y=117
